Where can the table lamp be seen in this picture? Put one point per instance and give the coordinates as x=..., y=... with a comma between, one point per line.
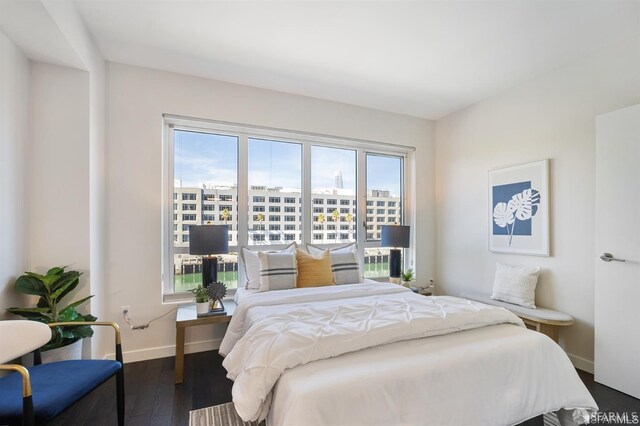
x=208, y=240
x=396, y=236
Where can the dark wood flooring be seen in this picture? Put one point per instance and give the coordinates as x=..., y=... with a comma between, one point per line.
x=153, y=399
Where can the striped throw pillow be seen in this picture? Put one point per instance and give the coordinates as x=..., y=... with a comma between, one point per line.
x=277, y=271
x=346, y=268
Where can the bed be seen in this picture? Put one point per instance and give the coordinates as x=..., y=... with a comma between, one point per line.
x=376, y=353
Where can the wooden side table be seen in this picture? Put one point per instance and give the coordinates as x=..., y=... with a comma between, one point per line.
x=187, y=317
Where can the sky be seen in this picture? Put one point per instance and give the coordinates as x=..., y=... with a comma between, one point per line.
x=207, y=158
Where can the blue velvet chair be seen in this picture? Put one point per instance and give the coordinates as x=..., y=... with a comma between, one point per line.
x=36, y=395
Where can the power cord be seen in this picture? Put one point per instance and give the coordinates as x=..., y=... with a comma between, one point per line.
x=125, y=317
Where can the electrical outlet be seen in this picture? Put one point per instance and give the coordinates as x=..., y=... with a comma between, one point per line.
x=125, y=309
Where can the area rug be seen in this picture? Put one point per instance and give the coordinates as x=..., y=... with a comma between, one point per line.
x=218, y=415
x=225, y=415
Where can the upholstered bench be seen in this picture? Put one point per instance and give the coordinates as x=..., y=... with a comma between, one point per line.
x=543, y=320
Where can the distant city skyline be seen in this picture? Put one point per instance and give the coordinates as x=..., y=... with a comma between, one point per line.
x=205, y=158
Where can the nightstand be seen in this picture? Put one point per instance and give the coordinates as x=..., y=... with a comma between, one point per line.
x=188, y=317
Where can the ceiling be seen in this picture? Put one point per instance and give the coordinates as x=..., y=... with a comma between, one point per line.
x=420, y=58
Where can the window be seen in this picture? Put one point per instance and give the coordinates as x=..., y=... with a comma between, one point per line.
x=273, y=209
x=203, y=163
x=276, y=167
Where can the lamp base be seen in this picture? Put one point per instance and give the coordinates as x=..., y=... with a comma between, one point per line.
x=209, y=270
x=395, y=265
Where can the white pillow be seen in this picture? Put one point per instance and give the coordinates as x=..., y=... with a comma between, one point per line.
x=315, y=250
x=345, y=267
x=251, y=264
x=516, y=284
x=278, y=271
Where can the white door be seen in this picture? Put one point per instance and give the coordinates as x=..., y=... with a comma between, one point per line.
x=617, y=283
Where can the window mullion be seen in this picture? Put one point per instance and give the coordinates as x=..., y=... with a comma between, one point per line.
x=307, y=203
x=361, y=203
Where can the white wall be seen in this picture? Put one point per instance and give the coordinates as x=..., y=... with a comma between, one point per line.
x=553, y=117
x=58, y=164
x=14, y=96
x=136, y=100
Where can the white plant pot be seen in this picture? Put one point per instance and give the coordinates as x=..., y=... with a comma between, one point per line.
x=72, y=351
x=202, y=308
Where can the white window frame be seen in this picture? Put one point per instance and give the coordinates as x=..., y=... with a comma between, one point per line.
x=306, y=140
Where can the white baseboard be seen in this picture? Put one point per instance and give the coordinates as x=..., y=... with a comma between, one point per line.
x=581, y=363
x=166, y=351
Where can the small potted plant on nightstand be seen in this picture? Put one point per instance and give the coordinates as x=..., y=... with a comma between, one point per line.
x=202, y=299
x=407, y=277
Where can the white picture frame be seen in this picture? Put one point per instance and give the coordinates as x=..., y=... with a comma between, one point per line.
x=519, y=209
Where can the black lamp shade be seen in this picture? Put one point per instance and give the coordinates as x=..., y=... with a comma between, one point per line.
x=208, y=239
x=395, y=236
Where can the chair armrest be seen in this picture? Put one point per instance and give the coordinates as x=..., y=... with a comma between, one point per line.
x=26, y=383
x=115, y=327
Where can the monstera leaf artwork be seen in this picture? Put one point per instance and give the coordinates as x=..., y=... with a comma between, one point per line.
x=521, y=207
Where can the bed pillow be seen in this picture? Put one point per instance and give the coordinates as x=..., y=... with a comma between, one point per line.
x=314, y=271
x=277, y=271
x=315, y=250
x=252, y=264
x=516, y=284
x=345, y=268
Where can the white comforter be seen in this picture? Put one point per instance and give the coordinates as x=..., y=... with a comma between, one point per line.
x=275, y=331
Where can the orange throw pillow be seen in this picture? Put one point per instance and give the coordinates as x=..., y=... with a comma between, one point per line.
x=314, y=271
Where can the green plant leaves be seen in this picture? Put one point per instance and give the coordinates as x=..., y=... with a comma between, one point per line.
x=52, y=288
x=28, y=284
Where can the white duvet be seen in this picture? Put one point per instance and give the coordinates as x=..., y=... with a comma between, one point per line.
x=272, y=332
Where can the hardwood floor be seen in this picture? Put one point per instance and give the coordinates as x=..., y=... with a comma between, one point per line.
x=153, y=399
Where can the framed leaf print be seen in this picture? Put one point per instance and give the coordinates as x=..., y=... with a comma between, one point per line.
x=519, y=209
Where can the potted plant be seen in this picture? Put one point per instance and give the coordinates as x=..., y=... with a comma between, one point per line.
x=52, y=288
x=407, y=277
x=202, y=299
